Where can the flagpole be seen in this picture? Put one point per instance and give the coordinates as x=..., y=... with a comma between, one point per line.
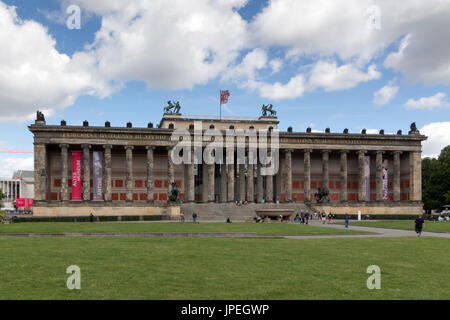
x=220, y=105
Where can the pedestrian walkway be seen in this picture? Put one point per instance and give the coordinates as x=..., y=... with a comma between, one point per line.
x=378, y=232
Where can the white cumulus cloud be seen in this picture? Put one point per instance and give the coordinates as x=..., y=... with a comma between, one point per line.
x=385, y=94
x=429, y=103
x=9, y=165
x=438, y=134
x=331, y=77
x=33, y=74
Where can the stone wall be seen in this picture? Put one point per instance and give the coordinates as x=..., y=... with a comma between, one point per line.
x=78, y=210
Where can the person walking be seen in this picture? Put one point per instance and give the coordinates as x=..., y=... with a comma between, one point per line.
x=91, y=217
x=346, y=218
x=306, y=217
x=182, y=216
x=419, y=225
x=194, y=217
x=323, y=217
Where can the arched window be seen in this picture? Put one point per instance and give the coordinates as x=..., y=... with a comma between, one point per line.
x=171, y=126
x=231, y=127
x=211, y=126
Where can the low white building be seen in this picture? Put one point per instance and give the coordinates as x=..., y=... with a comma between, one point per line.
x=21, y=185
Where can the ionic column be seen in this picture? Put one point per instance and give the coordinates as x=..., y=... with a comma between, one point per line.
x=288, y=166
x=307, y=170
x=40, y=172
x=269, y=178
x=250, y=180
x=325, y=170
x=64, y=172
x=361, y=176
x=108, y=175
x=86, y=172
x=396, y=182
x=259, y=184
x=344, y=193
x=190, y=193
x=415, y=180
x=223, y=183
x=204, y=182
x=170, y=170
x=230, y=177
x=241, y=182
x=149, y=166
x=379, y=175
x=129, y=175
x=211, y=185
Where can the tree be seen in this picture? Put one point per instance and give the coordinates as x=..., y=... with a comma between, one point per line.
x=435, y=180
x=2, y=196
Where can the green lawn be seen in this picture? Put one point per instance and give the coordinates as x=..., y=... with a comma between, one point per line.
x=86, y=227
x=432, y=226
x=219, y=268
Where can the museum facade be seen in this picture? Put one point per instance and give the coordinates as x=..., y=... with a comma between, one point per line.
x=131, y=171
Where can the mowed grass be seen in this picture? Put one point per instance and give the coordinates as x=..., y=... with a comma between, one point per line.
x=137, y=227
x=431, y=226
x=219, y=268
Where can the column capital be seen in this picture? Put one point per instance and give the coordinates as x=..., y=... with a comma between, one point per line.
x=64, y=145
x=325, y=151
x=362, y=152
x=344, y=151
x=380, y=151
x=288, y=150
x=397, y=152
x=150, y=147
x=307, y=150
x=107, y=146
x=85, y=146
x=129, y=147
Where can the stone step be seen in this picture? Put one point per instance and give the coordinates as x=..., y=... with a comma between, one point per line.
x=222, y=211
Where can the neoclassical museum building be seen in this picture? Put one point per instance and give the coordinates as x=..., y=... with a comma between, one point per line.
x=111, y=170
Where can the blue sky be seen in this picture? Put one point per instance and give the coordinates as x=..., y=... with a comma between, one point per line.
x=318, y=62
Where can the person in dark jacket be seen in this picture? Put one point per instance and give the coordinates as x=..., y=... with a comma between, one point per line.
x=419, y=225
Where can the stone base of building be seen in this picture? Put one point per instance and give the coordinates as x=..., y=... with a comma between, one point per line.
x=394, y=208
x=216, y=211
x=78, y=209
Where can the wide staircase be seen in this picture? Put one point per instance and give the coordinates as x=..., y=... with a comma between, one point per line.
x=244, y=212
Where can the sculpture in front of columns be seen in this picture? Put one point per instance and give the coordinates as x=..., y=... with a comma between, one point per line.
x=322, y=195
x=268, y=109
x=172, y=108
x=173, y=197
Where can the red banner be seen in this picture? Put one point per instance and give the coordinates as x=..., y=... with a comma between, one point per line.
x=76, y=175
x=24, y=202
